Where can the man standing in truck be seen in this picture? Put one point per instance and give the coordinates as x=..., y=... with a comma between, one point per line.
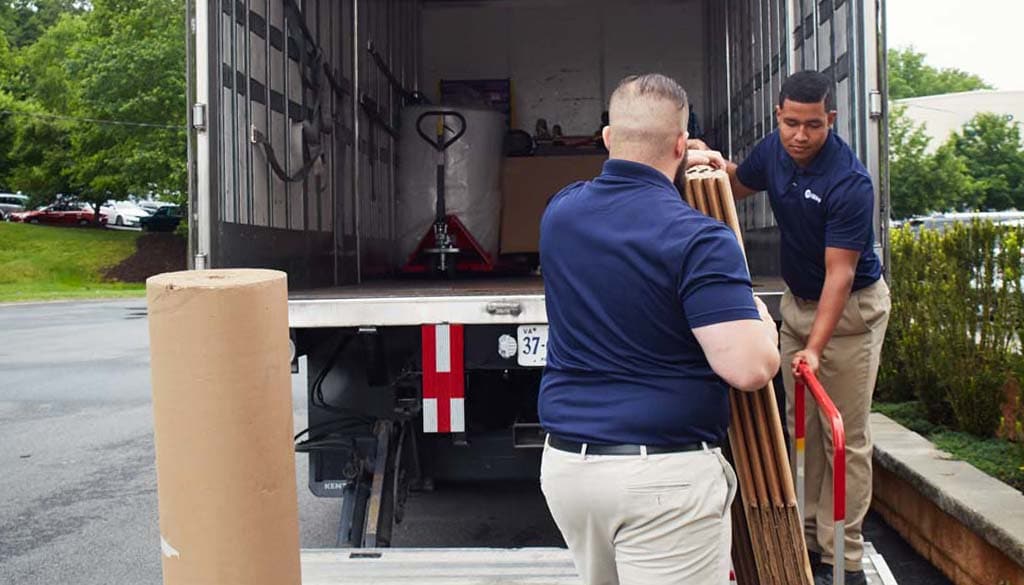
x=836, y=305
x=652, y=318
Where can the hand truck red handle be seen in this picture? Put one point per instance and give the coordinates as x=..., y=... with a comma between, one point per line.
x=805, y=379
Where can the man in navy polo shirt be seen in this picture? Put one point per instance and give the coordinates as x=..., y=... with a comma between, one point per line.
x=836, y=306
x=651, y=318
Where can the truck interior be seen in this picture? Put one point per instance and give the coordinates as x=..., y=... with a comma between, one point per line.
x=394, y=157
x=306, y=174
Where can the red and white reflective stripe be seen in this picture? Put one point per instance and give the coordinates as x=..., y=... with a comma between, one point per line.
x=444, y=385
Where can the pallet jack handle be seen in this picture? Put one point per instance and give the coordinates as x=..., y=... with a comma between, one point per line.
x=440, y=145
x=805, y=379
x=438, y=142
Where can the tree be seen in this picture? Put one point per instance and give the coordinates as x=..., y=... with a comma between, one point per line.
x=42, y=71
x=26, y=20
x=131, y=67
x=100, y=101
x=7, y=104
x=910, y=76
x=38, y=151
x=922, y=183
x=908, y=166
x=949, y=178
x=6, y=59
x=40, y=88
x=990, y=144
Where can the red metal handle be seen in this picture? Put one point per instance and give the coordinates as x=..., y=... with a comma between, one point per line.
x=805, y=377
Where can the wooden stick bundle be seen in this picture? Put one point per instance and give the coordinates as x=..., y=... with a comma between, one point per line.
x=768, y=537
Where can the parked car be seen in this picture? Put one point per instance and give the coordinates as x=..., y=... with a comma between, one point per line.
x=151, y=206
x=60, y=213
x=166, y=219
x=12, y=203
x=943, y=221
x=123, y=213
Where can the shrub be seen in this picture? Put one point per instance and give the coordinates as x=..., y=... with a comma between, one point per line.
x=953, y=338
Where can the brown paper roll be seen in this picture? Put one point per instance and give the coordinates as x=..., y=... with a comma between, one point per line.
x=222, y=417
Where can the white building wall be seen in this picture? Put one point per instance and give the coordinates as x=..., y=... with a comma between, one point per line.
x=945, y=114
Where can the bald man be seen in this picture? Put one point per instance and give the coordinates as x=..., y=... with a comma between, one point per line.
x=652, y=319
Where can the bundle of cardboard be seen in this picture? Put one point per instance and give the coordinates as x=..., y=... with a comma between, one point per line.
x=768, y=538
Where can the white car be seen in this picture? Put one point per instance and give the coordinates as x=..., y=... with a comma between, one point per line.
x=123, y=214
x=12, y=203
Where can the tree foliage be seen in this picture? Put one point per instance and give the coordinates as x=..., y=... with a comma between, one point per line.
x=991, y=145
x=981, y=167
x=97, y=99
x=910, y=76
x=24, y=21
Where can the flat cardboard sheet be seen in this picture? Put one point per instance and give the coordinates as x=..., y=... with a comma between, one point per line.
x=527, y=183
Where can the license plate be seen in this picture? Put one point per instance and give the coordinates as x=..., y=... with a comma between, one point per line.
x=533, y=346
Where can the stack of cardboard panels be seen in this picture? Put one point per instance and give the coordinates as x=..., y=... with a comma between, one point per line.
x=768, y=538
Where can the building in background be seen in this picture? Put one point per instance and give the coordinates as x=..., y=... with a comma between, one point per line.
x=947, y=113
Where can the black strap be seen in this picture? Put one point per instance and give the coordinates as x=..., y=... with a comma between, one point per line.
x=408, y=97
x=313, y=126
x=298, y=176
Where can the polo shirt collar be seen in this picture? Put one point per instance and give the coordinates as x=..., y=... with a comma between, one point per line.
x=820, y=164
x=637, y=171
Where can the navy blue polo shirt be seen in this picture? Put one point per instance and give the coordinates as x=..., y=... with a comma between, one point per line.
x=629, y=270
x=831, y=203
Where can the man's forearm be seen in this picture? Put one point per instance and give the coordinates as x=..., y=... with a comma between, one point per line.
x=739, y=190
x=834, y=295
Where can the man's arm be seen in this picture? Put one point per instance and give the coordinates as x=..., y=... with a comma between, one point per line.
x=840, y=269
x=731, y=325
x=743, y=353
x=739, y=190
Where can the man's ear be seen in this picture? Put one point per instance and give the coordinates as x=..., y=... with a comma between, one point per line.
x=831, y=118
x=681, y=146
x=606, y=136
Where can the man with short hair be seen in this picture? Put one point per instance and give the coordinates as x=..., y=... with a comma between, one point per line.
x=836, y=305
x=652, y=318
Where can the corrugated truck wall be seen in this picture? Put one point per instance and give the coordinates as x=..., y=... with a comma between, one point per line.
x=278, y=134
x=764, y=41
x=390, y=26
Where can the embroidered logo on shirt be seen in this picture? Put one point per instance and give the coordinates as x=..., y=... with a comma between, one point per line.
x=808, y=194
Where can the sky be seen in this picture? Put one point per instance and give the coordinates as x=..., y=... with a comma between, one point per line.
x=985, y=37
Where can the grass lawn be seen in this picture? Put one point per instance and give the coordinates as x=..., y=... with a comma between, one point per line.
x=999, y=458
x=39, y=263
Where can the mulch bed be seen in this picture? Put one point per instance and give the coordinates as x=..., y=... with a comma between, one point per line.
x=154, y=253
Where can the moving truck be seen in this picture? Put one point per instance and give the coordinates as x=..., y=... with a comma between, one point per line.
x=301, y=138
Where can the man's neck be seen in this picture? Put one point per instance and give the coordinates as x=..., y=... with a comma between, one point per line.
x=668, y=169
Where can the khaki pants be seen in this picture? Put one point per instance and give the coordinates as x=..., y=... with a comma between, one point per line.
x=848, y=370
x=660, y=519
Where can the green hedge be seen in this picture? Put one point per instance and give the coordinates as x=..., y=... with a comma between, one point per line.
x=954, y=335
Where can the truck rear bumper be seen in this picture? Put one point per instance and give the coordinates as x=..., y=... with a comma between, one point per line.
x=473, y=566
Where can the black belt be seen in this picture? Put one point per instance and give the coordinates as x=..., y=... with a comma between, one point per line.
x=602, y=449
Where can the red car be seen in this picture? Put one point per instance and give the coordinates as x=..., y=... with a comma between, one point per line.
x=59, y=214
